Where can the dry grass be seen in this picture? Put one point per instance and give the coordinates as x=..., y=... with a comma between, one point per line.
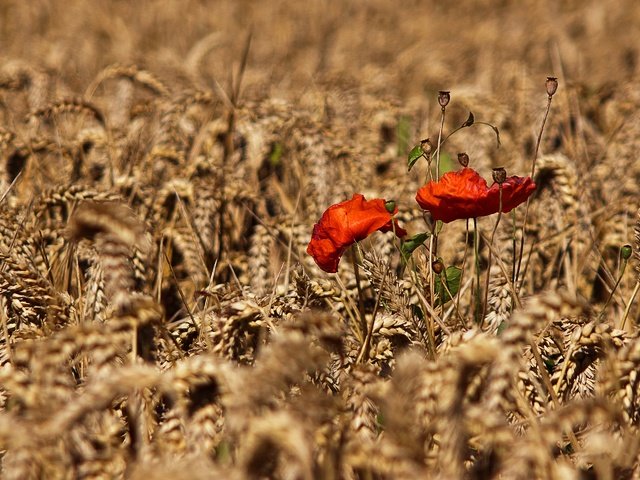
x=160, y=317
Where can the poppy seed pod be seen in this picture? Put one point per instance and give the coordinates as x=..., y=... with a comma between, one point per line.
x=499, y=175
x=626, y=251
x=443, y=98
x=437, y=266
x=463, y=159
x=426, y=147
x=552, y=85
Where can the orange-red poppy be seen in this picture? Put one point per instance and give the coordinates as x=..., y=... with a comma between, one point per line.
x=465, y=194
x=343, y=224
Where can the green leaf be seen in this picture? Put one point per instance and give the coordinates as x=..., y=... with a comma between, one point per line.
x=414, y=156
x=408, y=246
x=446, y=290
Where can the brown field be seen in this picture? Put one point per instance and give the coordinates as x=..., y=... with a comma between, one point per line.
x=162, y=164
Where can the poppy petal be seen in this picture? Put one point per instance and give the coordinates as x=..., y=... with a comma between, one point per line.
x=343, y=224
x=465, y=194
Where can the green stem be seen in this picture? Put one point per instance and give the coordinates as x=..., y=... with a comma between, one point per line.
x=628, y=308
x=513, y=246
x=430, y=260
x=613, y=290
x=366, y=345
x=533, y=171
x=356, y=271
x=493, y=234
x=464, y=262
x=439, y=145
x=476, y=248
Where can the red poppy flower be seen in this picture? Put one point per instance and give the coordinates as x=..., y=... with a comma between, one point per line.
x=343, y=224
x=465, y=194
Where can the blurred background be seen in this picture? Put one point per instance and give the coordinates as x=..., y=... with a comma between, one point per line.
x=139, y=101
x=405, y=50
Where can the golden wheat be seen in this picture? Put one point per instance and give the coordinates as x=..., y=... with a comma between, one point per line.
x=160, y=175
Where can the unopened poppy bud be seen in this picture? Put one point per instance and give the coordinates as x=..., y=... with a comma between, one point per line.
x=426, y=147
x=437, y=266
x=443, y=98
x=552, y=85
x=390, y=205
x=625, y=252
x=499, y=175
x=463, y=159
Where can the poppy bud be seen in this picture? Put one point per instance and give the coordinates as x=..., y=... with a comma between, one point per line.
x=390, y=205
x=443, y=98
x=426, y=147
x=625, y=252
x=437, y=266
x=463, y=159
x=499, y=175
x=552, y=86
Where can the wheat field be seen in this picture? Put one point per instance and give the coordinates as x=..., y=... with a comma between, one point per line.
x=162, y=165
